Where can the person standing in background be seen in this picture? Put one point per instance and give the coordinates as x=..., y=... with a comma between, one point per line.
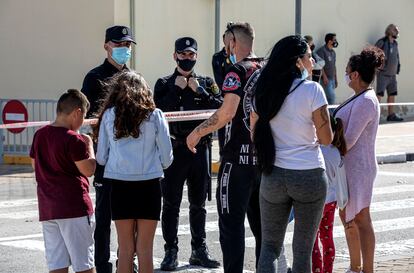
x=329, y=77
x=221, y=63
x=387, y=75
x=319, y=62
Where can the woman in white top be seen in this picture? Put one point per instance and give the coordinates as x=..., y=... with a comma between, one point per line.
x=289, y=121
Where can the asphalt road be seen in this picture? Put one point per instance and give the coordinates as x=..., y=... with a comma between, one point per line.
x=21, y=244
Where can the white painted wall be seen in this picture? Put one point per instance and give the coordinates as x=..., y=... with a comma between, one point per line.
x=46, y=46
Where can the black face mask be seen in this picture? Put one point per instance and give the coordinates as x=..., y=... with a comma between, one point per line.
x=312, y=47
x=335, y=44
x=186, y=64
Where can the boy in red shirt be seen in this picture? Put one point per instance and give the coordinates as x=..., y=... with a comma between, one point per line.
x=62, y=160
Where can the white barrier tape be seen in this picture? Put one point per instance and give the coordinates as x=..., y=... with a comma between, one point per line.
x=171, y=116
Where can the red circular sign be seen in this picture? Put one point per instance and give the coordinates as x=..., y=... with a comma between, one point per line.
x=13, y=112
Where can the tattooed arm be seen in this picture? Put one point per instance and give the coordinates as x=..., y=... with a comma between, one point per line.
x=220, y=118
x=322, y=123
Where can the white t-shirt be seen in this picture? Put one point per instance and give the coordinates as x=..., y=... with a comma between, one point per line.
x=293, y=131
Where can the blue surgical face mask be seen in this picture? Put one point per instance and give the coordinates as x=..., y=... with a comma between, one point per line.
x=121, y=55
x=305, y=74
x=233, y=58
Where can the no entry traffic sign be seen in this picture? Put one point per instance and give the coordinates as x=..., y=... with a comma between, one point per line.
x=13, y=112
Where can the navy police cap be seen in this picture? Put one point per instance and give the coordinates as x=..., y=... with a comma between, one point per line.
x=119, y=34
x=186, y=44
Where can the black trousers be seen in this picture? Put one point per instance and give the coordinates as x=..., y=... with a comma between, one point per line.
x=102, y=233
x=237, y=194
x=195, y=169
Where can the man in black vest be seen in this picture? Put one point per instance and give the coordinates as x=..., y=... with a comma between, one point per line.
x=238, y=178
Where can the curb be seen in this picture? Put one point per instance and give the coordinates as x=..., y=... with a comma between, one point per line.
x=17, y=159
x=215, y=165
x=395, y=158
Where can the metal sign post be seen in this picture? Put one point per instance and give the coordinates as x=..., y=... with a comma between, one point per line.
x=298, y=17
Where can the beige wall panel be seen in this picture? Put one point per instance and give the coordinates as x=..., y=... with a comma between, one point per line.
x=122, y=13
x=158, y=23
x=47, y=46
x=271, y=20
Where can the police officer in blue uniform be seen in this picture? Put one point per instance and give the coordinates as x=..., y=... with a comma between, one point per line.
x=118, y=41
x=182, y=91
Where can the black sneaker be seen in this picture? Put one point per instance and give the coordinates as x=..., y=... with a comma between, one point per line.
x=394, y=117
x=169, y=263
x=201, y=257
x=289, y=270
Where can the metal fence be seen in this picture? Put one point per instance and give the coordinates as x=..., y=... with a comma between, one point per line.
x=19, y=144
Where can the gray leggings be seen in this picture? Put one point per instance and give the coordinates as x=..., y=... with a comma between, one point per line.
x=305, y=190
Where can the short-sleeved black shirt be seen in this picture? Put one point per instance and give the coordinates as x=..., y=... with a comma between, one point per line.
x=238, y=145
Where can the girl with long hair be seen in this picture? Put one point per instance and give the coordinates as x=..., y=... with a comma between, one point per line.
x=134, y=145
x=360, y=115
x=289, y=120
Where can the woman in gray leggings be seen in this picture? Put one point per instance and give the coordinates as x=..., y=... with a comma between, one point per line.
x=289, y=120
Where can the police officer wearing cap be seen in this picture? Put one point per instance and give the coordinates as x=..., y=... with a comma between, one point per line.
x=182, y=91
x=117, y=45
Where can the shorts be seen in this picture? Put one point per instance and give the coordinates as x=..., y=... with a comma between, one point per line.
x=388, y=83
x=69, y=242
x=136, y=199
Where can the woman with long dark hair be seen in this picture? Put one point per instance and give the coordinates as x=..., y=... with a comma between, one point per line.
x=360, y=115
x=289, y=121
x=134, y=145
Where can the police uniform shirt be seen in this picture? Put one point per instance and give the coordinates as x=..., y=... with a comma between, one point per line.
x=92, y=84
x=221, y=64
x=169, y=97
x=238, y=146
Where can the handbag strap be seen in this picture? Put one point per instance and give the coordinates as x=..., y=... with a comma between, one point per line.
x=349, y=100
x=294, y=88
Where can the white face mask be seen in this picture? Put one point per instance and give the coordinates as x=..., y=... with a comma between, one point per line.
x=347, y=79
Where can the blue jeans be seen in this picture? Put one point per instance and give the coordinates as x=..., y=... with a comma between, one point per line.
x=330, y=91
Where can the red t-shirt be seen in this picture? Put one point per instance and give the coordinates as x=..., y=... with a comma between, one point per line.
x=62, y=191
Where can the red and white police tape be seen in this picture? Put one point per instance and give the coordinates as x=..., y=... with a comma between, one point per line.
x=171, y=116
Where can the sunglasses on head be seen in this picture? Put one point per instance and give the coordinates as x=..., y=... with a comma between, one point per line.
x=229, y=28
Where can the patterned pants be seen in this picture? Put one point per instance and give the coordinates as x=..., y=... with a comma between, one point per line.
x=322, y=261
